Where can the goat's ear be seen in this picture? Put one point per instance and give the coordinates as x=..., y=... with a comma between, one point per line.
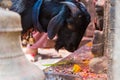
x=55, y=24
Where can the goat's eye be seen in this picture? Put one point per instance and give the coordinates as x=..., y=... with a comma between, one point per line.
x=79, y=16
x=70, y=27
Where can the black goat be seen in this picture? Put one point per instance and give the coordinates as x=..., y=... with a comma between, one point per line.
x=66, y=19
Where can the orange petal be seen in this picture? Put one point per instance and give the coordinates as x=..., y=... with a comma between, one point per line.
x=89, y=44
x=86, y=62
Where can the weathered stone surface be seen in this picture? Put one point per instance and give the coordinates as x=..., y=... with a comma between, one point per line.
x=116, y=40
x=5, y=3
x=13, y=64
x=98, y=46
x=91, y=9
x=9, y=21
x=98, y=37
x=99, y=65
x=90, y=30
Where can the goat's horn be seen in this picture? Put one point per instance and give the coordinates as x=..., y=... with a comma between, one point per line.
x=72, y=6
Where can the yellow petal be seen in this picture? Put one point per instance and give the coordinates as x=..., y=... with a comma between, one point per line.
x=76, y=68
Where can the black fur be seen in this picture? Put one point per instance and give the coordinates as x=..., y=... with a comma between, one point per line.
x=57, y=19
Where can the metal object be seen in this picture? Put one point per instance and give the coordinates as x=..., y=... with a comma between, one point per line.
x=13, y=63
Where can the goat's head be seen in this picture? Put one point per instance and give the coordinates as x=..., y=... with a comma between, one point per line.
x=69, y=24
x=71, y=28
